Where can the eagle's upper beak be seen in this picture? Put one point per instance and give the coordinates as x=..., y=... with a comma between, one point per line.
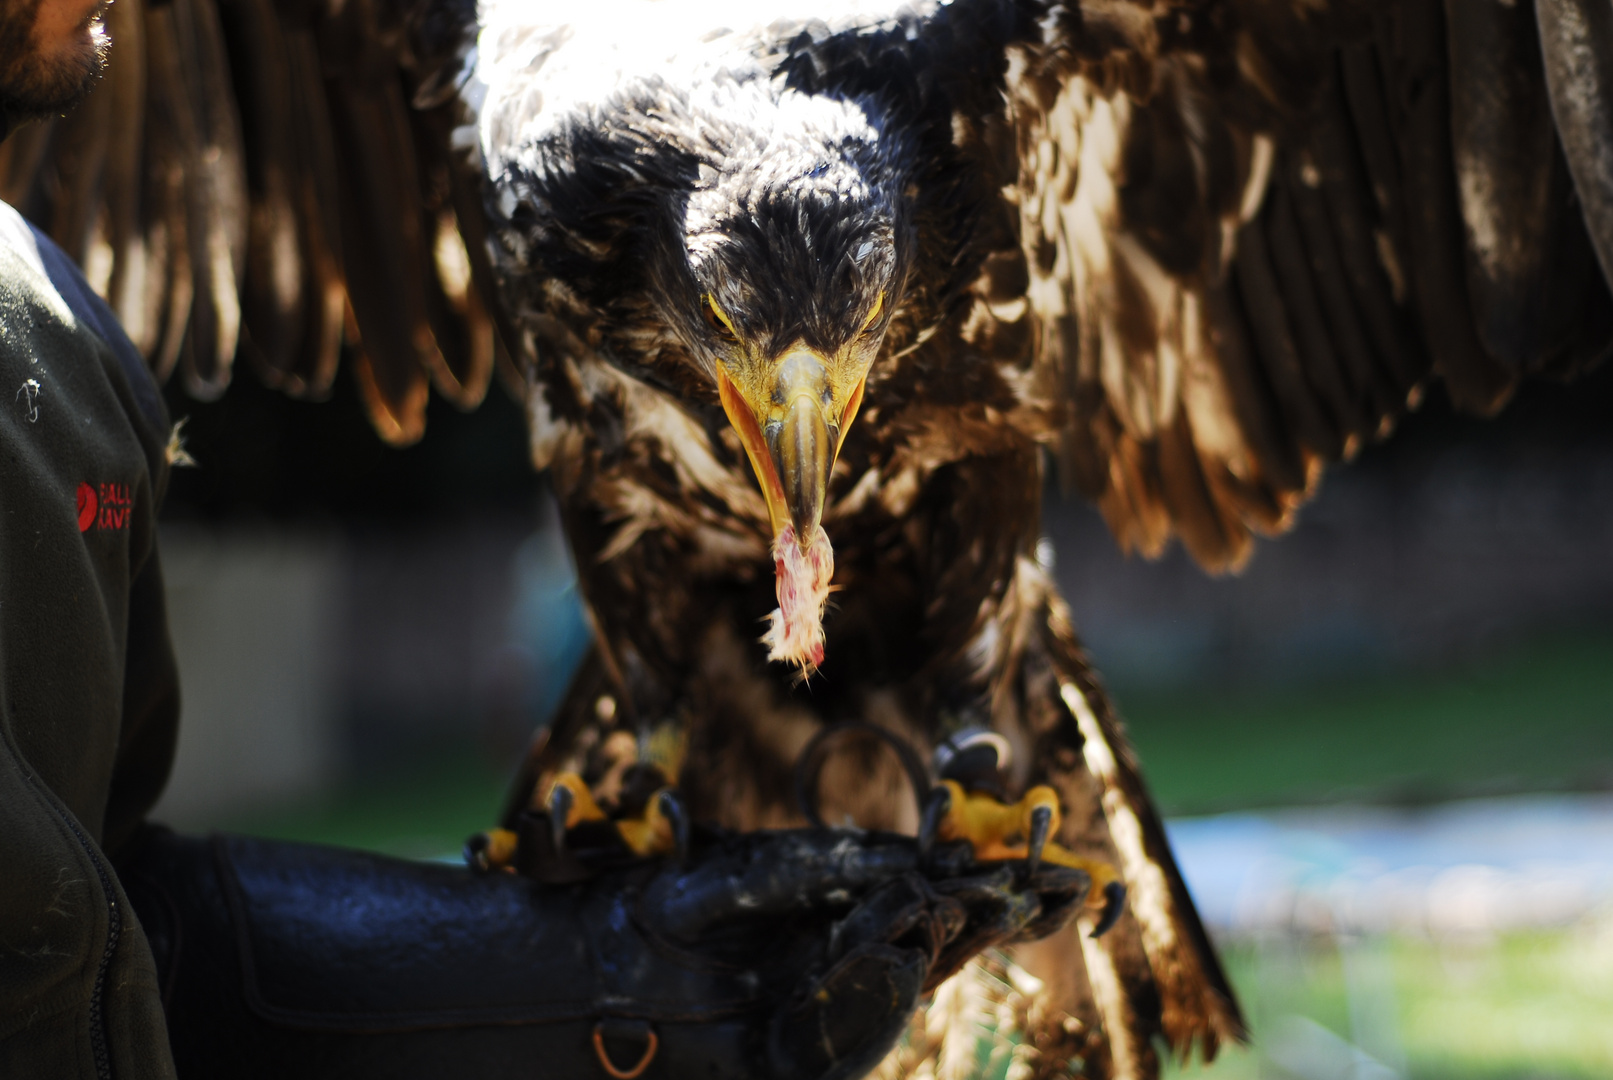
x=792, y=421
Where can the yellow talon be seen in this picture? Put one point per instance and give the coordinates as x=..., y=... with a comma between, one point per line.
x=582, y=805
x=500, y=846
x=998, y=831
x=492, y=850
x=649, y=834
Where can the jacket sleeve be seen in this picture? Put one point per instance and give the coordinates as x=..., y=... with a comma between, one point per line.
x=86, y=674
x=78, y=987
x=150, y=731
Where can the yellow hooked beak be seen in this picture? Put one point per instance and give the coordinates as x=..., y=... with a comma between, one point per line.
x=792, y=420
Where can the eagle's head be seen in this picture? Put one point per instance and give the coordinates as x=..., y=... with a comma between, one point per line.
x=763, y=229
x=795, y=246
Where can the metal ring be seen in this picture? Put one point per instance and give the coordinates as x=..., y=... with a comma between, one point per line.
x=810, y=764
x=652, y=1044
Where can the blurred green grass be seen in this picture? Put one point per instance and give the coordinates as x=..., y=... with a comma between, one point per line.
x=1534, y=719
x=423, y=810
x=1535, y=1005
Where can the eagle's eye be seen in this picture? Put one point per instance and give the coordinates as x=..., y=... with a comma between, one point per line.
x=873, y=314
x=718, y=321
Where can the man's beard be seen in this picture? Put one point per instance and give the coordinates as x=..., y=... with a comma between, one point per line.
x=32, y=86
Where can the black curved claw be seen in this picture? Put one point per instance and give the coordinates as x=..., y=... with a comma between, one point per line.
x=1114, y=902
x=975, y=758
x=476, y=853
x=673, y=810
x=560, y=800
x=937, y=805
x=1041, y=825
x=1062, y=891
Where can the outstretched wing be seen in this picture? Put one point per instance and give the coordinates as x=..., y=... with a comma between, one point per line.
x=1255, y=232
x=1247, y=237
x=275, y=178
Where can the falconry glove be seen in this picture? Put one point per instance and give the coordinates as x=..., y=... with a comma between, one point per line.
x=798, y=954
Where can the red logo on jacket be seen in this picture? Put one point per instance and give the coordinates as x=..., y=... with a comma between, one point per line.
x=103, y=506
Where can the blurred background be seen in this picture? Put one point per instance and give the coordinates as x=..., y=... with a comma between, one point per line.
x=1386, y=748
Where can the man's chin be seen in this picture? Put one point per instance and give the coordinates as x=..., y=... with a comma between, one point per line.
x=33, y=87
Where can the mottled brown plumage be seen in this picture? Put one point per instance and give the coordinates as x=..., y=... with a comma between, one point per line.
x=1186, y=254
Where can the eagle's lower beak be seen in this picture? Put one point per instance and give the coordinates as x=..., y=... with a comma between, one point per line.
x=792, y=436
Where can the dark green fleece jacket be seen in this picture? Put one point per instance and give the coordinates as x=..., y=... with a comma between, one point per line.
x=88, y=689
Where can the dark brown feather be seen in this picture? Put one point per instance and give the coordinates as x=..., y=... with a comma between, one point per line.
x=72, y=181
x=459, y=318
x=216, y=188
x=1508, y=180
x=381, y=216
x=1577, y=41
x=128, y=287
x=1132, y=504
x=1411, y=40
x=1274, y=342
x=1367, y=398
x=1365, y=85
x=272, y=298
x=1162, y=195
x=1281, y=461
x=316, y=193
x=1302, y=300
x=1255, y=501
x=1362, y=235
x=1210, y=532
x=170, y=146
x=1577, y=44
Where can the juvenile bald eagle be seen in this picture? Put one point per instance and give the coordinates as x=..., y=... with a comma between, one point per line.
x=775, y=277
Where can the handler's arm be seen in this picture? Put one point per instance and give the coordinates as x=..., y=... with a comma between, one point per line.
x=78, y=990
x=86, y=674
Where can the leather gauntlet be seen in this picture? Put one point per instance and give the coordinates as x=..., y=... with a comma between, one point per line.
x=799, y=955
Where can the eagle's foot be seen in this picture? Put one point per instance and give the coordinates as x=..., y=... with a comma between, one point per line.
x=653, y=825
x=968, y=810
x=567, y=834
x=1000, y=832
x=492, y=850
